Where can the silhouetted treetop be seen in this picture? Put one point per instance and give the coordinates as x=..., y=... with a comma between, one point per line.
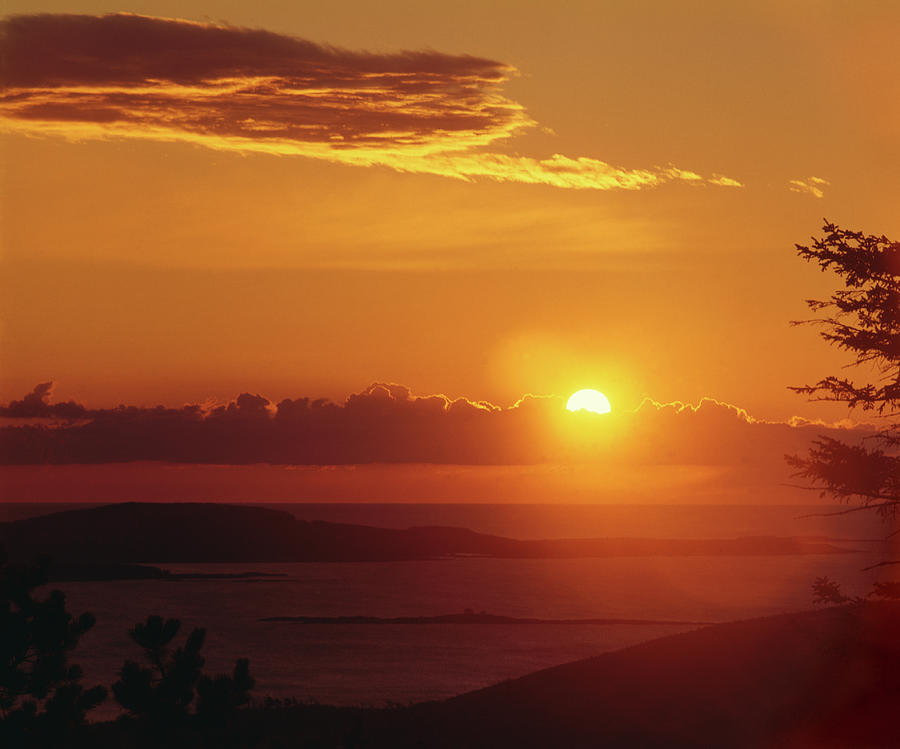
x=159, y=698
x=161, y=694
x=863, y=318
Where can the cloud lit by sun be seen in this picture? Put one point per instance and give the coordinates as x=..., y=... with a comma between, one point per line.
x=131, y=76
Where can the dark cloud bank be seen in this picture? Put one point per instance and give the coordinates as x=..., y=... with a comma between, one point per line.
x=167, y=78
x=232, y=81
x=387, y=424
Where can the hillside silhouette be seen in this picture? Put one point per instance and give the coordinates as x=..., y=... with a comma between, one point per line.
x=130, y=533
x=814, y=679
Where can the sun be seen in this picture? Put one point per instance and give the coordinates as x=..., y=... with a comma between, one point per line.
x=589, y=400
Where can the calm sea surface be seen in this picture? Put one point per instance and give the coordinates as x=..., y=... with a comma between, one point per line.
x=379, y=663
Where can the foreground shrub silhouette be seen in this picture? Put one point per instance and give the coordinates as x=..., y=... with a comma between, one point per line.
x=827, y=592
x=159, y=698
x=42, y=702
x=224, y=694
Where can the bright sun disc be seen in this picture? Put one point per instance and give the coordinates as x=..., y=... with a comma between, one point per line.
x=589, y=400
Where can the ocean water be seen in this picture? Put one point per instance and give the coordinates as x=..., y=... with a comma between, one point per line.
x=383, y=663
x=377, y=664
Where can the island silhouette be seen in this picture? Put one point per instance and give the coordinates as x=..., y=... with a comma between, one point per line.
x=132, y=533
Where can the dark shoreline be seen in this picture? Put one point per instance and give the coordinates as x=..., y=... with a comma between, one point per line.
x=466, y=618
x=110, y=572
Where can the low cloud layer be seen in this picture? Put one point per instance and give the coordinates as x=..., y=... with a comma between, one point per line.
x=386, y=423
x=37, y=405
x=124, y=75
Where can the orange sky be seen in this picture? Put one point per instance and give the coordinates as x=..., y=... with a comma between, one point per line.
x=608, y=197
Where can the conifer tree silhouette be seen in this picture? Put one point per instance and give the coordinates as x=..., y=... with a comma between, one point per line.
x=862, y=319
x=160, y=696
x=42, y=700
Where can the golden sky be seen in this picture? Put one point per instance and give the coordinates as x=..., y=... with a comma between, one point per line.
x=475, y=199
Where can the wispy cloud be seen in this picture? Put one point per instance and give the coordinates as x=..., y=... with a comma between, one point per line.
x=722, y=181
x=809, y=186
x=249, y=90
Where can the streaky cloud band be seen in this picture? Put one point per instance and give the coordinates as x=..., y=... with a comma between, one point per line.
x=249, y=90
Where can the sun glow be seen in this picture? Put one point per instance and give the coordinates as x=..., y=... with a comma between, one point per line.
x=589, y=400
